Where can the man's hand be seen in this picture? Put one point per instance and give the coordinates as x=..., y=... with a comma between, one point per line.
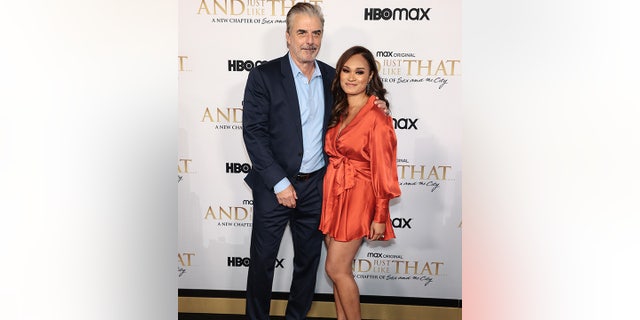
x=287, y=197
x=382, y=105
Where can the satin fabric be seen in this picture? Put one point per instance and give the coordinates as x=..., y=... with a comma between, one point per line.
x=361, y=176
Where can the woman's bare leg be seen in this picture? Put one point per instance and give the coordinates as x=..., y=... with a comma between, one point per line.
x=339, y=262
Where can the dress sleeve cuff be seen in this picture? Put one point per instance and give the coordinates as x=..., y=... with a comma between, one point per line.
x=382, y=211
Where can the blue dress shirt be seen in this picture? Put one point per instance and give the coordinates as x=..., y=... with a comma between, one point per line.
x=311, y=99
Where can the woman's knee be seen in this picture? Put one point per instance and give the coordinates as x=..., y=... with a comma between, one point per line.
x=329, y=269
x=336, y=273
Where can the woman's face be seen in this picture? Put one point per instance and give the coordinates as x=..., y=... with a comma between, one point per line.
x=355, y=75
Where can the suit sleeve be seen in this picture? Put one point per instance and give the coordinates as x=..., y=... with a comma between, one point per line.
x=384, y=173
x=256, y=127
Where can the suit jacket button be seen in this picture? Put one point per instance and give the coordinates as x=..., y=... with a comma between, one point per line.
x=299, y=154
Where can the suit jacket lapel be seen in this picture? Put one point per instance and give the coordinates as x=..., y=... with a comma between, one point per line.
x=328, y=98
x=291, y=95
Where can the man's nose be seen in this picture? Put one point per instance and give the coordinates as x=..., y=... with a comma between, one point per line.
x=309, y=38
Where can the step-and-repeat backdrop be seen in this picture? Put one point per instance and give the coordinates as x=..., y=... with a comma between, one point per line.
x=417, y=45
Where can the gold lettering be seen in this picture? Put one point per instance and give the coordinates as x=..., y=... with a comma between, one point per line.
x=283, y=8
x=185, y=167
x=414, y=267
x=441, y=67
x=228, y=115
x=420, y=67
x=433, y=172
x=181, y=62
x=381, y=269
x=444, y=171
x=410, y=171
x=425, y=65
x=426, y=267
x=380, y=262
x=410, y=266
x=226, y=214
x=203, y=4
x=390, y=71
x=233, y=7
x=402, y=167
x=407, y=266
x=181, y=260
x=210, y=213
x=437, y=266
x=453, y=63
x=413, y=172
x=255, y=11
x=245, y=213
x=231, y=213
x=216, y=4
x=361, y=265
x=207, y=114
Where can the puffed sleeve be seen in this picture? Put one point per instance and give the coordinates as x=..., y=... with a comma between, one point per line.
x=384, y=173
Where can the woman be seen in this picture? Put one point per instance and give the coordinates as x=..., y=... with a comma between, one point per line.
x=361, y=177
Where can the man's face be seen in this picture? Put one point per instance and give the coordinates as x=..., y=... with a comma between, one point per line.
x=304, y=38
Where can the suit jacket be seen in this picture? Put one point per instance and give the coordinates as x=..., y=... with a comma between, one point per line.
x=272, y=128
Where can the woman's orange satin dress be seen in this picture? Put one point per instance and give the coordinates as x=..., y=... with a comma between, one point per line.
x=361, y=176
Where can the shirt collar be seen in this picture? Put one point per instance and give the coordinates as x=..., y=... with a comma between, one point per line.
x=296, y=71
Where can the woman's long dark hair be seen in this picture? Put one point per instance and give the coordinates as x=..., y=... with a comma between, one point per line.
x=374, y=88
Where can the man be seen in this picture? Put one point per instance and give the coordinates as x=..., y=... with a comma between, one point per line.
x=286, y=108
x=287, y=103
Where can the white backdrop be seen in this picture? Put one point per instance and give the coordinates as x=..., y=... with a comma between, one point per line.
x=418, y=48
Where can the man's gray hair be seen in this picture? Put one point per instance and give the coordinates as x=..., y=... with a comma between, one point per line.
x=305, y=8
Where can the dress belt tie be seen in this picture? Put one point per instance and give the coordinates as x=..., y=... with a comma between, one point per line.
x=345, y=174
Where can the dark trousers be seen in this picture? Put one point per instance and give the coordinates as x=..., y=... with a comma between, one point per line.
x=266, y=235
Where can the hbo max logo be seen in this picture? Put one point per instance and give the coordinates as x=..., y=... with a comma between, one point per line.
x=244, y=65
x=244, y=262
x=238, y=262
x=233, y=167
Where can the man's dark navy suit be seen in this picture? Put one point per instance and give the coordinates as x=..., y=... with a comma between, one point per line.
x=272, y=132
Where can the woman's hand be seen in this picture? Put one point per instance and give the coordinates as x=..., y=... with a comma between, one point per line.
x=376, y=231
